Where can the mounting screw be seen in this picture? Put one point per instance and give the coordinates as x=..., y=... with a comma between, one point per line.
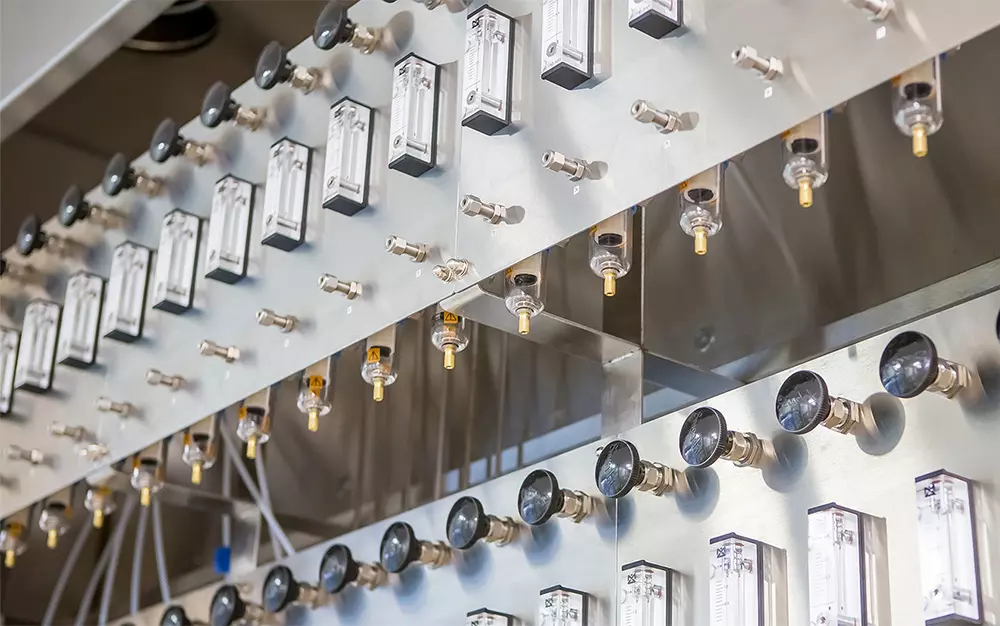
x=331, y=284
x=877, y=10
x=747, y=58
x=472, y=206
x=665, y=121
x=576, y=169
x=156, y=377
x=94, y=452
x=76, y=433
x=107, y=405
x=210, y=348
x=452, y=270
x=17, y=453
x=399, y=246
x=267, y=317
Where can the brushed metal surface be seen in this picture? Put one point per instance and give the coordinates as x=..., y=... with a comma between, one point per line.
x=872, y=476
x=697, y=77
x=419, y=209
x=689, y=72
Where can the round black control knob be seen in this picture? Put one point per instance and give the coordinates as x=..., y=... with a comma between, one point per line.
x=539, y=497
x=73, y=207
x=332, y=26
x=30, y=236
x=218, y=105
x=399, y=547
x=467, y=523
x=703, y=437
x=166, y=142
x=3, y=266
x=803, y=402
x=337, y=569
x=619, y=469
x=118, y=176
x=273, y=66
x=909, y=364
x=174, y=616
x=280, y=589
x=226, y=607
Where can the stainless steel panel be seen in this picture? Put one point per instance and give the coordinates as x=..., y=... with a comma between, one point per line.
x=872, y=475
x=352, y=247
x=731, y=106
x=689, y=72
x=507, y=579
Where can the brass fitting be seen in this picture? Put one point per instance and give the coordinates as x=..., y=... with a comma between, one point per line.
x=805, y=192
x=700, y=240
x=919, y=140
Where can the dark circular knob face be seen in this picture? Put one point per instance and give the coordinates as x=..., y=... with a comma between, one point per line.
x=332, y=26
x=3, y=266
x=117, y=176
x=802, y=403
x=618, y=469
x=467, y=523
x=271, y=66
x=909, y=364
x=917, y=91
x=703, y=437
x=174, y=616
x=226, y=607
x=399, y=547
x=525, y=280
x=699, y=195
x=280, y=589
x=29, y=236
x=166, y=142
x=539, y=497
x=337, y=569
x=73, y=207
x=218, y=105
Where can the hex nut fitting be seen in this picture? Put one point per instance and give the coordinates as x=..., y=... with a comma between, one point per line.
x=559, y=162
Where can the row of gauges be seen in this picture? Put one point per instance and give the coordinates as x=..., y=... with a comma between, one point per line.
x=908, y=367
x=837, y=551
x=840, y=561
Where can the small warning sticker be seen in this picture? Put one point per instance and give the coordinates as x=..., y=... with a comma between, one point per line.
x=316, y=384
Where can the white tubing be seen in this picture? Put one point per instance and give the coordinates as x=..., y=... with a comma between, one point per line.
x=276, y=532
x=265, y=494
x=161, y=557
x=102, y=563
x=137, y=550
x=109, y=575
x=64, y=574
